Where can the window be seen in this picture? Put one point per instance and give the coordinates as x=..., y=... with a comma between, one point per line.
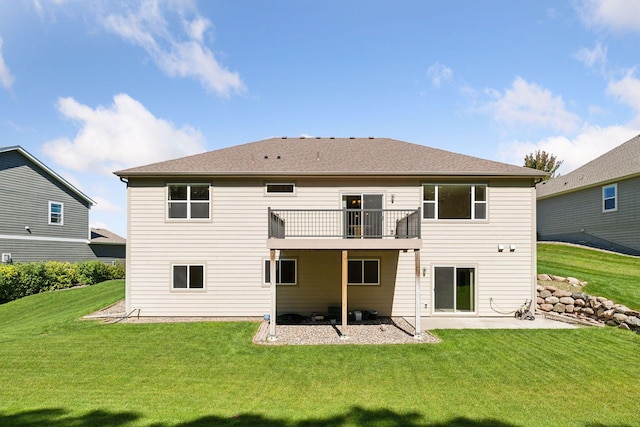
x=609, y=198
x=280, y=188
x=363, y=272
x=6, y=258
x=190, y=201
x=286, y=271
x=188, y=277
x=454, y=289
x=452, y=201
x=56, y=213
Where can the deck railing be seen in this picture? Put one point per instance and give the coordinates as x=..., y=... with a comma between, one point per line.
x=344, y=223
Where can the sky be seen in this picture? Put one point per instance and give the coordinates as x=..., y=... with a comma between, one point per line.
x=91, y=87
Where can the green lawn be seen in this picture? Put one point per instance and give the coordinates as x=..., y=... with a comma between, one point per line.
x=58, y=371
x=610, y=275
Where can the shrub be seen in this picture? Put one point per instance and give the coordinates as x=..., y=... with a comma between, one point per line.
x=61, y=275
x=92, y=272
x=9, y=282
x=118, y=270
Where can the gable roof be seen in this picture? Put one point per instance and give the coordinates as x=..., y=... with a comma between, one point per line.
x=330, y=157
x=620, y=163
x=102, y=236
x=48, y=171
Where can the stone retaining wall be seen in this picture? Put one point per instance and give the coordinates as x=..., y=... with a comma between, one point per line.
x=581, y=306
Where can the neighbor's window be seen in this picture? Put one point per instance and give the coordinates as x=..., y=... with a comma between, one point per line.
x=363, y=272
x=56, y=213
x=609, y=198
x=188, y=277
x=190, y=201
x=286, y=271
x=280, y=188
x=453, y=201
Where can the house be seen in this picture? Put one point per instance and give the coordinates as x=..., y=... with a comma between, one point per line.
x=314, y=225
x=597, y=204
x=44, y=217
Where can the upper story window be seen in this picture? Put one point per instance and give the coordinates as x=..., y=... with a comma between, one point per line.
x=56, y=213
x=190, y=201
x=454, y=201
x=610, y=198
x=280, y=188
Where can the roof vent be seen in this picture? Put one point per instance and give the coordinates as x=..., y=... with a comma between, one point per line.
x=352, y=137
x=266, y=157
x=317, y=137
x=332, y=137
x=284, y=137
x=302, y=137
x=370, y=137
x=278, y=157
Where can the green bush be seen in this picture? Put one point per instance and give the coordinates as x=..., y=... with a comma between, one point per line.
x=22, y=279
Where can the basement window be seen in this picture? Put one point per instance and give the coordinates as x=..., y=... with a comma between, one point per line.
x=187, y=277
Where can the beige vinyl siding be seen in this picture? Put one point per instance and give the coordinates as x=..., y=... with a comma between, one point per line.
x=232, y=247
x=504, y=276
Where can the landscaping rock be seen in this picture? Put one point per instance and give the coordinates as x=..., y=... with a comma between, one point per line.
x=620, y=318
x=608, y=304
x=546, y=307
x=552, y=300
x=539, y=300
x=601, y=299
x=624, y=326
x=579, y=295
x=561, y=293
x=611, y=323
x=609, y=314
x=567, y=300
x=569, y=309
x=573, y=281
x=579, y=302
x=544, y=293
x=633, y=321
x=552, y=289
x=559, y=278
x=587, y=310
x=622, y=309
x=544, y=277
x=632, y=313
x=559, y=308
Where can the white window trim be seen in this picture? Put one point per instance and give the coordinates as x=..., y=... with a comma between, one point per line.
x=473, y=202
x=363, y=283
x=188, y=289
x=264, y=271
x=6, y=258
x=615, y=197
x=188, y=201
x=61, y=213
x=277, y=193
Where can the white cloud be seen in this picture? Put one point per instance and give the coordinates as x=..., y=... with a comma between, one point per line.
x=593, y=57
x=6, y=78
x=618, y=15
x=123, y=135
x=177, y=55
x=531, y=105
x=592, y=142
x=104, y=205
x=627, y=91
x=439, y=73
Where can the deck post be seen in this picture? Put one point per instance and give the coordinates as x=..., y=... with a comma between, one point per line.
x=418, y=328
x=345, y=264
x=272, y=276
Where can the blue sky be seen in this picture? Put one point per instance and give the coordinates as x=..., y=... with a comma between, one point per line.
x=90, y=87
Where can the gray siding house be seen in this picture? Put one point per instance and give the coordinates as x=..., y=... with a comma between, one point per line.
x=329, y=226
x=597, y=204
x=44, y=217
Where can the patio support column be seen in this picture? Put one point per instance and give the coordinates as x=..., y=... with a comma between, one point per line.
x=418, y=328
x=272, y=276
x=345, y=264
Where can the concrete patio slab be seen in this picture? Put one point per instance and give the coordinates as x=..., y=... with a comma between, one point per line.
x=431, y=323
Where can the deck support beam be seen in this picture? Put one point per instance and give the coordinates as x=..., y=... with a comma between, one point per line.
x=272, y=285
x=418, y=328
x=345, y=265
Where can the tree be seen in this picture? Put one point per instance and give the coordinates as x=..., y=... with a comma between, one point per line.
x=543, y=161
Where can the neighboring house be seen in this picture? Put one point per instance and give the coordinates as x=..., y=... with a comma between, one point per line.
x=597, y=204
x=44, y=217
x=370, y=224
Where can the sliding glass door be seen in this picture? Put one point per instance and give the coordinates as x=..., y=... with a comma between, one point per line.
x=454, y=289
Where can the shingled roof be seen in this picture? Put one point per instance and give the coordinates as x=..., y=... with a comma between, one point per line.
x=331, y=157
x=620, y=163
